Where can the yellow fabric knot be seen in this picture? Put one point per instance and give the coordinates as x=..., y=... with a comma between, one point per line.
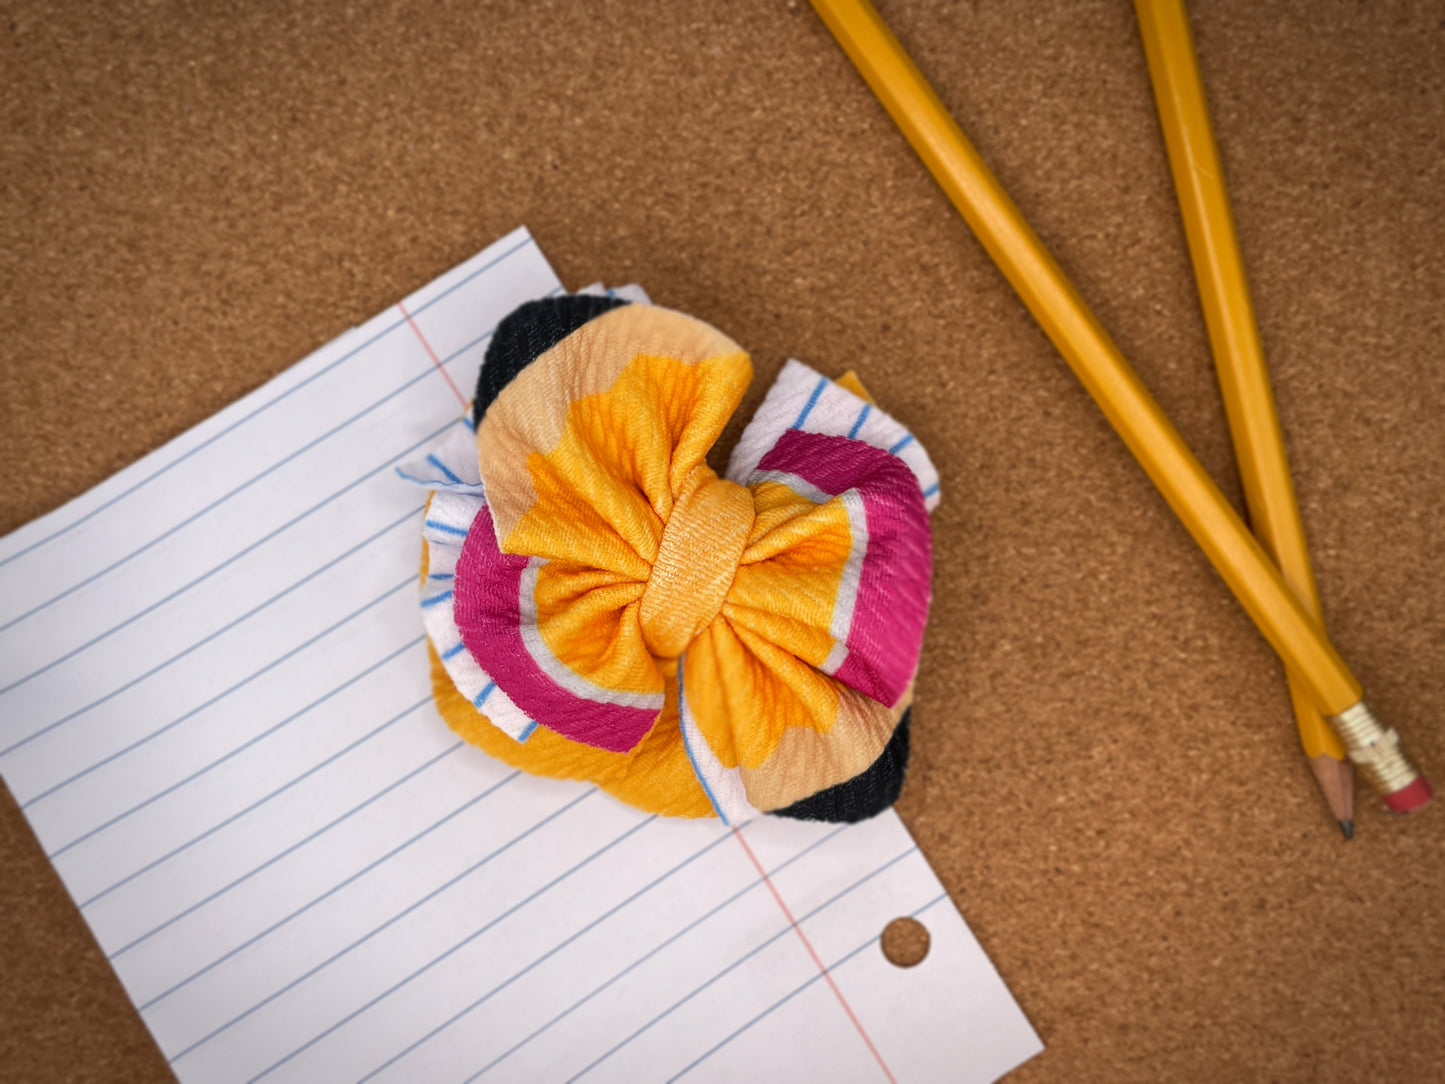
x=697, y=561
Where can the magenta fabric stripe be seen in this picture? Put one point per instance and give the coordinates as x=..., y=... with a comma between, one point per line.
x=489, y=619
x=891, y=611
x=886, y=637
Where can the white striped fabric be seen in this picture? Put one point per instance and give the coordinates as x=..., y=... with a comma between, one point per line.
x=802, y=398
x=448, y=519
x=723, y=786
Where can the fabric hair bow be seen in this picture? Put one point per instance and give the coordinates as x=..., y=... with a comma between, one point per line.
x=601, y=605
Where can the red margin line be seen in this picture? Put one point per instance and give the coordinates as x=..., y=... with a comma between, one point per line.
x=807, y=945
x=432, y=354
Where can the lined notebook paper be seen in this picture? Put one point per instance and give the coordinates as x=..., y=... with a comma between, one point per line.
x=214, y=711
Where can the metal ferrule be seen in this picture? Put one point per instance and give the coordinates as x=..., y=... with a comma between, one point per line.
x=1375, y=748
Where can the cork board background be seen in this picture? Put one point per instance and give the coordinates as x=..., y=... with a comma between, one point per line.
x=195, y=195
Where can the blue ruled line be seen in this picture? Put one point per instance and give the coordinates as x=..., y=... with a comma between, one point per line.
x=740, y=961
x=408, y=582
x=384, y=926
x=211, y=572
x=267, y=405
x=544, y=957
x=269, y=930
x=258, y=803
x=694, y=924
x=794, y=993
x=410, y=513
x=455, y=948
x=371, y=800
x=242, y=487
x=158, y=795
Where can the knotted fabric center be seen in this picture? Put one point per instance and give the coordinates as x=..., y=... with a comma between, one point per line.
x=697, y=561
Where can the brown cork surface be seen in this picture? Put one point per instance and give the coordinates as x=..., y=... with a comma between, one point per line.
x=195, y=195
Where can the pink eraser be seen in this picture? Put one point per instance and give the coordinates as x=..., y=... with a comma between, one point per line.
x=1408, y=799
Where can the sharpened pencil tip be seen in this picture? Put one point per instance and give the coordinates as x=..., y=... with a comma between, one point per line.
x=1348, y=828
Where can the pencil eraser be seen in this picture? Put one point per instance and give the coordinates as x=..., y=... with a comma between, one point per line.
x=1408, y=799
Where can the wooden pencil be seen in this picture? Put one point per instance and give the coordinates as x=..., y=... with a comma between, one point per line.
x=1238, y=358
x=1127, y=404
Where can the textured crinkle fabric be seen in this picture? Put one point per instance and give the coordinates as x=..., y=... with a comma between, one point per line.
x=601, y=605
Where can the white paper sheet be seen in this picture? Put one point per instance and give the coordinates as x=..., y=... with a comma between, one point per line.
x=214, y=711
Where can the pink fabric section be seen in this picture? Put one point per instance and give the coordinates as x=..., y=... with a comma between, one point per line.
x=886, y=634
x=489, y=619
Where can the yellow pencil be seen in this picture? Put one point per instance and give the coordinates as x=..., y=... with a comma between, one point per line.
x=1243, y=376
x=1096, y=361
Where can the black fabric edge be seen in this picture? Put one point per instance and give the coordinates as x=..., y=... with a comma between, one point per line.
x=867, y=794
x=528, y=332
